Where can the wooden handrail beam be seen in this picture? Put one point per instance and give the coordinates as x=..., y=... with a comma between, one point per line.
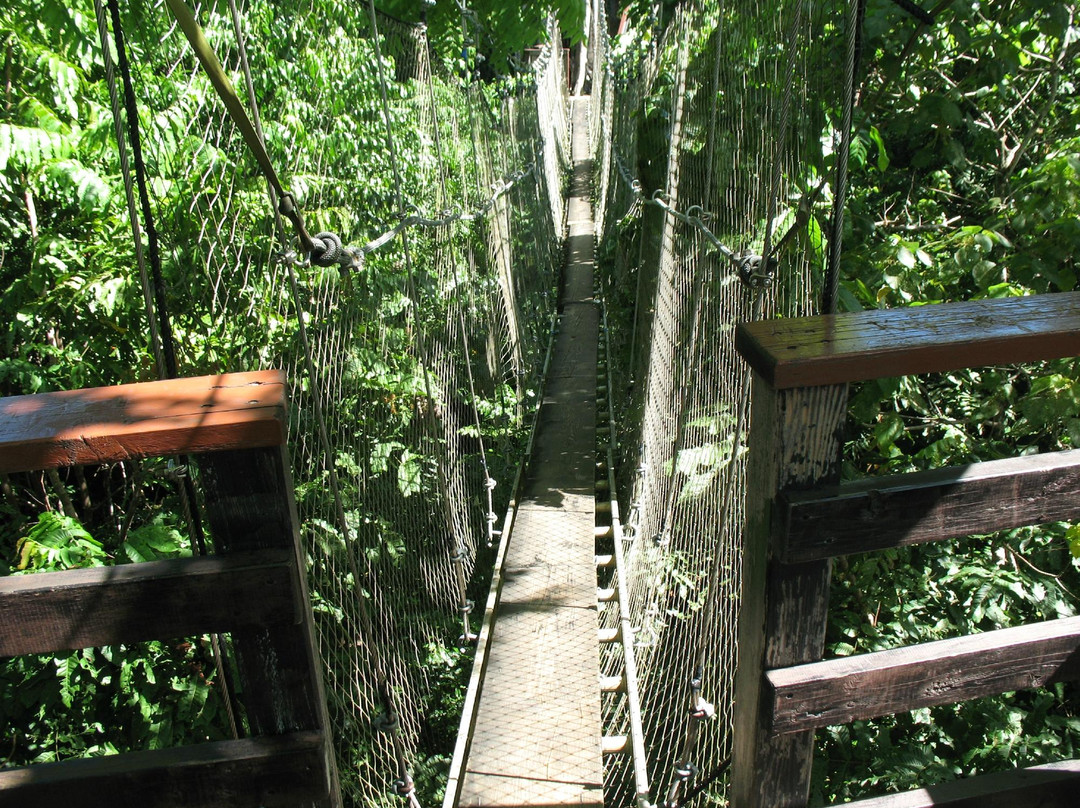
x=841, y=348
x=1051, y=785
x=284, y=770
x=880, y=512
x=164, y=418
x=55, y=611
x=836, y=691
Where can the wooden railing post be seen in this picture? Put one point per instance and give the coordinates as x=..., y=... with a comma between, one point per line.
x=798, y=519
x=795, y=443
x=252, y=587
x=250, y=508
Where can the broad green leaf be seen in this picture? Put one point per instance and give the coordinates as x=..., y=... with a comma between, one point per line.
x=883, y=157
x=409, y=474
x=1072, y=535
x=905, y=257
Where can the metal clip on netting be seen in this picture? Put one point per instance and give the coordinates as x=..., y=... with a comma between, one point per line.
x=468, y=637
x=699, y=709
x=752, y=269
x=491, y=518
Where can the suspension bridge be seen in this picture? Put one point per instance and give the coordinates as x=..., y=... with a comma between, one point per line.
x=609, y=414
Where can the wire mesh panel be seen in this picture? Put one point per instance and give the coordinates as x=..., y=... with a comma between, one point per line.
x=710, y=144
x=413, y=365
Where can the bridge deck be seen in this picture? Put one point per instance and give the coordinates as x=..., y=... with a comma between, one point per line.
x=536, y=737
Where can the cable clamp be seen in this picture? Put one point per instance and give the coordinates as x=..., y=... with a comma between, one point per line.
x=753, y=270
x=466, y=607
x=458, y=557
x=176, y=471
x=491, y=483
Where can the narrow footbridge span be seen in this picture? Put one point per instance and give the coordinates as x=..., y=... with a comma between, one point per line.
x=535, y=739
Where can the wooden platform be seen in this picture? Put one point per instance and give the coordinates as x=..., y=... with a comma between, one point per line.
x=536, y=738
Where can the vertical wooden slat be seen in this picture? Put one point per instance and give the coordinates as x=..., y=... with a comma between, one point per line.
x=249, y=507
x=795, y=443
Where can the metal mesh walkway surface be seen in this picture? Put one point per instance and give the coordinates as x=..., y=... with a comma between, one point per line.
x=536, y=736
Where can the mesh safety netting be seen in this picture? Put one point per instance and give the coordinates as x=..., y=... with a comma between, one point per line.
x=707, y=135
x=413, y=371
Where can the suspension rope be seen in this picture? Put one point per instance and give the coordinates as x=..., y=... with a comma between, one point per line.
x=129, y=190
x=256, y=118
x=856, y=10
x=161, y=337
x=323, y=249
x=168, y=346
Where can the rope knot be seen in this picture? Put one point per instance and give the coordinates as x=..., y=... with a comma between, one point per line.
x=326, y=250
x=404, y=787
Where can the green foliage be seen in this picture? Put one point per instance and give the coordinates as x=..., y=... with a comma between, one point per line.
x=934, y=591
x=973, y=195
x=492, y=31
x=74, y=316
x=59, y=542
x=100, y=701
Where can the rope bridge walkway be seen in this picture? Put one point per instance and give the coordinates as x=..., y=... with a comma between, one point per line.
x=536, y=735
x=411, y=327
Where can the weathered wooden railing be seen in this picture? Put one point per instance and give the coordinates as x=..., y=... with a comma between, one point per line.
x=800, y=517
x=252, y=587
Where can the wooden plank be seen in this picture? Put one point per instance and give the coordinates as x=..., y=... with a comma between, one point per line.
x=904, y=509
x=286, y=770
x=796, y=440
x=164, y=418
x=54, y=611
x=536, y=737
x=837, y=691
x=840, y=348
x=1051, y=785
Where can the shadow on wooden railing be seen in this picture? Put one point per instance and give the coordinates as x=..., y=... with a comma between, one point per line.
x=252, y=587
x=799, y=517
